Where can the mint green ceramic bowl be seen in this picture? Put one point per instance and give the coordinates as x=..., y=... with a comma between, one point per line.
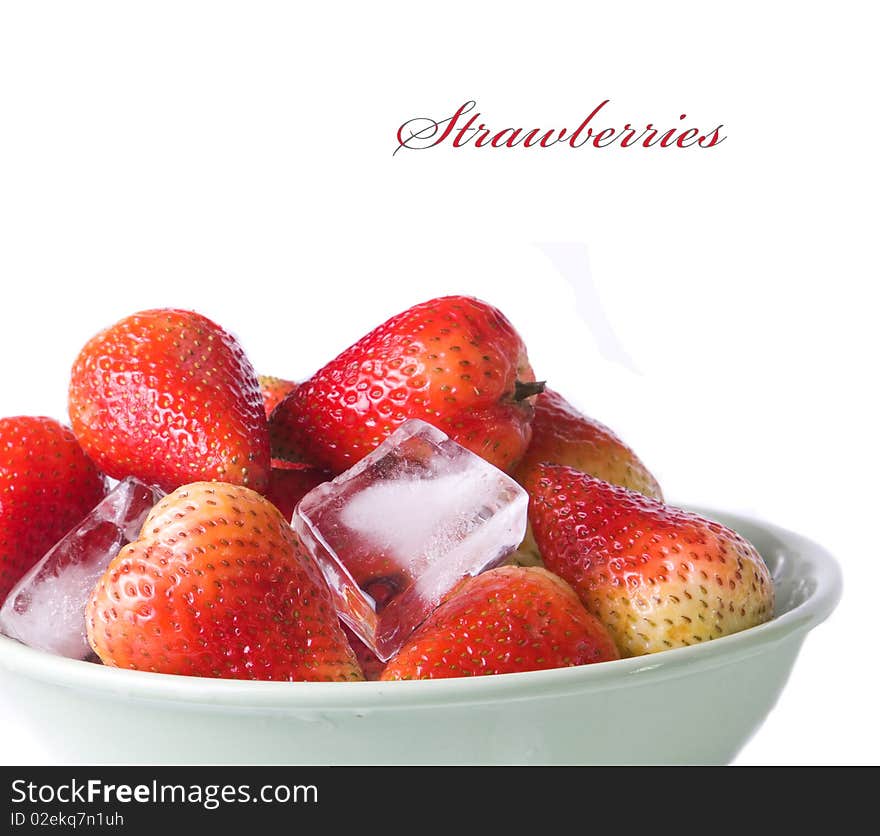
x=694, y=705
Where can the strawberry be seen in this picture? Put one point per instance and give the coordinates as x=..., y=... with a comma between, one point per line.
x=454, y=362
x=656, y=576
x=218, y=585
x=506, y=620
x=47, y=485
x=563, y=435
x=370, y=663
x=169, y=397
x=274, y=390
x=289, y=482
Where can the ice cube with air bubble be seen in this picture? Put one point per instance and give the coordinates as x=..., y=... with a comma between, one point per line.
x=46, y=608
x=398, y=531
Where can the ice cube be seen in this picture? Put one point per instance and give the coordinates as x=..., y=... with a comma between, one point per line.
x=396, y=532
x=45, y=609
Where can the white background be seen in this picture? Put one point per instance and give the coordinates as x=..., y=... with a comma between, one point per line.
x=717, y=307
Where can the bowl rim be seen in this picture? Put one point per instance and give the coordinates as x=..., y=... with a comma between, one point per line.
x=813, y=560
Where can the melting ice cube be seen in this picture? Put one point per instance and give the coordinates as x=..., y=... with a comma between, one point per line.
x=46, y=607
x=401, y=528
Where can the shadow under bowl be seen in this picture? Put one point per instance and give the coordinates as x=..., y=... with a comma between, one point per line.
x=696, y=704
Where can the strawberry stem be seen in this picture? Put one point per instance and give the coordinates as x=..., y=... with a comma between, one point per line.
x=526, y=390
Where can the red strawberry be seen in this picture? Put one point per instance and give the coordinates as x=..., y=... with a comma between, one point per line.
x=656, y=576
x=289, y=482
x=169, y=397
x=47, y=485
x=454, y=362
x=218, y=585
x=563, y=435
x=370, y=663
x=274, y=390
x=506, y=620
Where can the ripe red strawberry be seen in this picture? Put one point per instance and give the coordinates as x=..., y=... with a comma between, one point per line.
x=454, y=362
x=370, y=663
x=168, y=396
x=506, y=620
x=562, y=434
x=289, y=482
x=218, y=585
x=656, y=576
x=47, y=485
x=274, y=390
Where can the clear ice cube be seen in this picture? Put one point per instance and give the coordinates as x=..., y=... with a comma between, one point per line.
x=46, y=608
x=396, y=532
